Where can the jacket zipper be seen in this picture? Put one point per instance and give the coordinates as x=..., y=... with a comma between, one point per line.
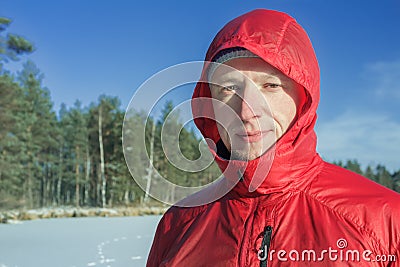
x=246, y=239
x=263, y=254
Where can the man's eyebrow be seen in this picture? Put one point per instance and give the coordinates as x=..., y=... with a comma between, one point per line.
x=273, y=74
x=223, y=77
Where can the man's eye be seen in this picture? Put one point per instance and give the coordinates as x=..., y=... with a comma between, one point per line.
x=230, y=88
x=272, y=85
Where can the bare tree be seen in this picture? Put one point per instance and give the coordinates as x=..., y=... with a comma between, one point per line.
x=102, y=171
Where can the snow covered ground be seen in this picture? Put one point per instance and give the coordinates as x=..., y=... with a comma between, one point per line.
x=77, y=242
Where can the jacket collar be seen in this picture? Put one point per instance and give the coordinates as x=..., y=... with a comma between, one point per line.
x=279, y=170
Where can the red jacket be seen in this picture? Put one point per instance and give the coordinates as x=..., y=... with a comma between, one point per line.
x=306, y=212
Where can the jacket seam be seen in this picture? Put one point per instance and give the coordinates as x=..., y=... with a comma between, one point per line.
x=364, y=229
x=199, y=210
x=284, y=30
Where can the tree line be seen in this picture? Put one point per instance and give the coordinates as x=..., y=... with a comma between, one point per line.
x=75, y=157
x=378, y=174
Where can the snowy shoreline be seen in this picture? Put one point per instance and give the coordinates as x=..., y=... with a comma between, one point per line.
x=16, y=216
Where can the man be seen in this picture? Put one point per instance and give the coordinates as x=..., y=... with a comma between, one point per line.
x=289, y=207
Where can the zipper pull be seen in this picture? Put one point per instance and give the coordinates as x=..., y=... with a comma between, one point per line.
x=263, y=252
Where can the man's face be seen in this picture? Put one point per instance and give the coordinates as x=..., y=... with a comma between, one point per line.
x=256, y=104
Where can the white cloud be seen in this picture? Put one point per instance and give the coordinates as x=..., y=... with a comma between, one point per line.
x=370, y=138
x=385, y=77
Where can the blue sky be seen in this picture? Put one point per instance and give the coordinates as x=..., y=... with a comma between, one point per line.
x=88, y=48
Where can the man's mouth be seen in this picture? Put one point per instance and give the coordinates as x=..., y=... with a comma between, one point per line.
x=252, y=136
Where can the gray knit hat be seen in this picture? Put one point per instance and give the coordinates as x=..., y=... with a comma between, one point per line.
x=226, y=55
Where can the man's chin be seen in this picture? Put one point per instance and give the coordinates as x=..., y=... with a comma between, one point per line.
x=249, y=154
x=244, y=155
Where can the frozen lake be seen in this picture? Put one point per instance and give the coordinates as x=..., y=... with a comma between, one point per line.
x=77, y=242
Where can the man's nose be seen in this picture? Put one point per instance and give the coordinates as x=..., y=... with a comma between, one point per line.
x=251, y=101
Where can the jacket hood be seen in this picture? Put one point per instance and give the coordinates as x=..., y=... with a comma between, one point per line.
x=280, y=41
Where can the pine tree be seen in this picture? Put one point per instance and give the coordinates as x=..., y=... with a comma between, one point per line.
x=102, y=117
x=38, y=131
x=383, y=176
x=369, y=173
x=11, y=168
x=136, y=155
x=396, y=181
x=76, y=143
x=354, y=165
x=11, y=46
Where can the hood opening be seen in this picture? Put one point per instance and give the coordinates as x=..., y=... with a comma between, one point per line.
x=280, y=41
